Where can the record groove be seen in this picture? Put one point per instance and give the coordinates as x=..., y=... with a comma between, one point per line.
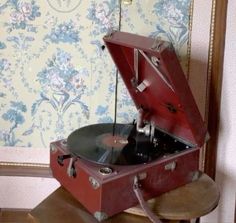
x=96, y=143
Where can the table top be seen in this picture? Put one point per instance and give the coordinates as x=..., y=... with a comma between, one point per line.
x=188, y=202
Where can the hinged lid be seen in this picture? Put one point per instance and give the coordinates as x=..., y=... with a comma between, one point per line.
x=155, y=80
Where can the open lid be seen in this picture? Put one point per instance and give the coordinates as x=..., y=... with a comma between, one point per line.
x=155, y=80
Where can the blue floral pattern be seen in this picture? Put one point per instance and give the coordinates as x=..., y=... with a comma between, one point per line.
x=22, y=14
x=2, y=45
x=56, y=76
x=103, y=113
x=102, y=15
x=4, y=68
x=6, y=78
x=21, y=42
x=61, y=76
x=2, y=95
x=62, y=86
x=173, y=13
x=14, y=115
x=65, y=32
x=4, y=65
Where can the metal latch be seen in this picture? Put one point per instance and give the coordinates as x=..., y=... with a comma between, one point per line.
x=60, y=159
x=171, y=166
x=71, y=172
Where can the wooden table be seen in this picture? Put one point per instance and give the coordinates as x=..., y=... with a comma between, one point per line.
x=188, y=202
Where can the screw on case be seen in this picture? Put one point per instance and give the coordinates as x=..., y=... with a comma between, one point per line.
x=155, y=61
x=171, y=108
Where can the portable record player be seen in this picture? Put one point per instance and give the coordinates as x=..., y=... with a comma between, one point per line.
x=102, y=165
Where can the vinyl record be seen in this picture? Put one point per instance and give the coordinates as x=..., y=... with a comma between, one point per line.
x=101, y=143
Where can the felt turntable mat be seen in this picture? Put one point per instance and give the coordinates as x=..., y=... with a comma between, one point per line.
x=117, y=144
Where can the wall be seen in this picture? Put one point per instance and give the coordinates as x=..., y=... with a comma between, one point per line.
x=25, y=192
x=226, y=165
x=56, y=78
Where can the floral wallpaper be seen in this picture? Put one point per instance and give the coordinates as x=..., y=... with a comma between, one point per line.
x=55, y=76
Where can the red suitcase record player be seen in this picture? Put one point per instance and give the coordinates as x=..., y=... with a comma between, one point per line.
x=101, y=164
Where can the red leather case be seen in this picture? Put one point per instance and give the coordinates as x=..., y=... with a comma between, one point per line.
x=167, y=99
x=154, y=78
x=104, y=196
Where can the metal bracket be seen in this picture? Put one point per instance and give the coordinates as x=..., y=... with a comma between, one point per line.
x=94, y=183
x=157, y=44
x=53, y=149
x=100, y=216
x=136, y=65
x=135, y=81
x=158, y=71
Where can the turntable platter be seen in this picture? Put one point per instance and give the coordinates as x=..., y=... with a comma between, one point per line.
x=97, y=143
